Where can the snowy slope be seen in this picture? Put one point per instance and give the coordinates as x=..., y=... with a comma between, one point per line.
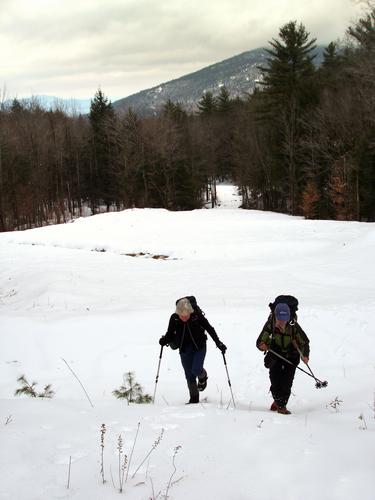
x=72, y=292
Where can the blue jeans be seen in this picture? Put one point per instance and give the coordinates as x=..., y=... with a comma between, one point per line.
x=193, y=361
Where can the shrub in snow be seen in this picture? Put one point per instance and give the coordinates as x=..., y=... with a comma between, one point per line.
x=335, y=404
x=30, y=389
x=131, y=390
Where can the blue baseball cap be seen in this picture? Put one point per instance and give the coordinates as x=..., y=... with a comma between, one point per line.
x=282, y=312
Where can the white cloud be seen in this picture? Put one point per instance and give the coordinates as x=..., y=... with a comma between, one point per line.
x=69, y=47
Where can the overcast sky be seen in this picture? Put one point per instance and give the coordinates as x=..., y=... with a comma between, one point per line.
x=68, y=48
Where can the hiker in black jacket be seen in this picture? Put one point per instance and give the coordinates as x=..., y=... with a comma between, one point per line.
x=186, y=331
x=286, y=337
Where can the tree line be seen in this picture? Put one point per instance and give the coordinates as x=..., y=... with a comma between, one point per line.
x=303, y=143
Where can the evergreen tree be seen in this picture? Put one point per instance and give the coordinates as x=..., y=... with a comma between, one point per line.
x=224, y=134
x=207, y=104
x=174, y=111
x=134, y=178
x=223, y=100
x=104, y=168
x=330, y=55
x=288, y=92
x=290, y=65
x=331, y=74
x=363, y=32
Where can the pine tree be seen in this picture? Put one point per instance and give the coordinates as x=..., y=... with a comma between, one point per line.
x=330, y=55
x=174, y=111
x=104, y=167
x=223, y=100
x=131, y=390
x=363, y=32
x=207, y=104
x=288, y=92
x=290, y=65
x=133, y=174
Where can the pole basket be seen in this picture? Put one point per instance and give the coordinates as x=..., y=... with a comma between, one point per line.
x=321, y=385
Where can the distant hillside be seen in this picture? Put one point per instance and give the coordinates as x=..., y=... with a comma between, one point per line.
x=239, y=74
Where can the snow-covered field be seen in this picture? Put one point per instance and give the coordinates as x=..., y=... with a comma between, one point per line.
x=70, y=292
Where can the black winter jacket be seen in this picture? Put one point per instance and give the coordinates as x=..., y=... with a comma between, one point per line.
x=191, y=332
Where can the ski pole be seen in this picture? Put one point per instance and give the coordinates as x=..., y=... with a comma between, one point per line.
x=157, y=374
x=230, y=385
x=319, y=384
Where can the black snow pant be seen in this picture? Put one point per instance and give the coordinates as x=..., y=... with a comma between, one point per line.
x=281, y=377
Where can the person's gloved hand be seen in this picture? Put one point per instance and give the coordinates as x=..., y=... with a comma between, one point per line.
x=222, y=347
x=163, y=341
x=263, y=346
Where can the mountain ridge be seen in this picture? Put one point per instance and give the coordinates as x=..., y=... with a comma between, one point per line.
x=239, y=74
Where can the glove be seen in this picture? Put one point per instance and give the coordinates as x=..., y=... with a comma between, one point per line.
x=222, y=347
x=163, y=341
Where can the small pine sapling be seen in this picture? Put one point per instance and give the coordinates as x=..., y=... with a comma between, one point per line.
x=30, y=389
x=26, y=388
x=132, y=391
x=47, y=392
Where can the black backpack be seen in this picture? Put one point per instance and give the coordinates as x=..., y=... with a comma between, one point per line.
x=291, y=301
x=193, y=302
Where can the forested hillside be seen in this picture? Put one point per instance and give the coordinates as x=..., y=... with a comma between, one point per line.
x=302, y=143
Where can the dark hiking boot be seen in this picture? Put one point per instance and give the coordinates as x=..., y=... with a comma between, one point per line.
x=193, y=391
x=202, y=381
x=283, y=410
x=193, y=400
x=274, y=407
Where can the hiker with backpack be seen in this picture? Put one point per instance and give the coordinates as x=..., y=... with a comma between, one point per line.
x=186, y=332
x=283, y=335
